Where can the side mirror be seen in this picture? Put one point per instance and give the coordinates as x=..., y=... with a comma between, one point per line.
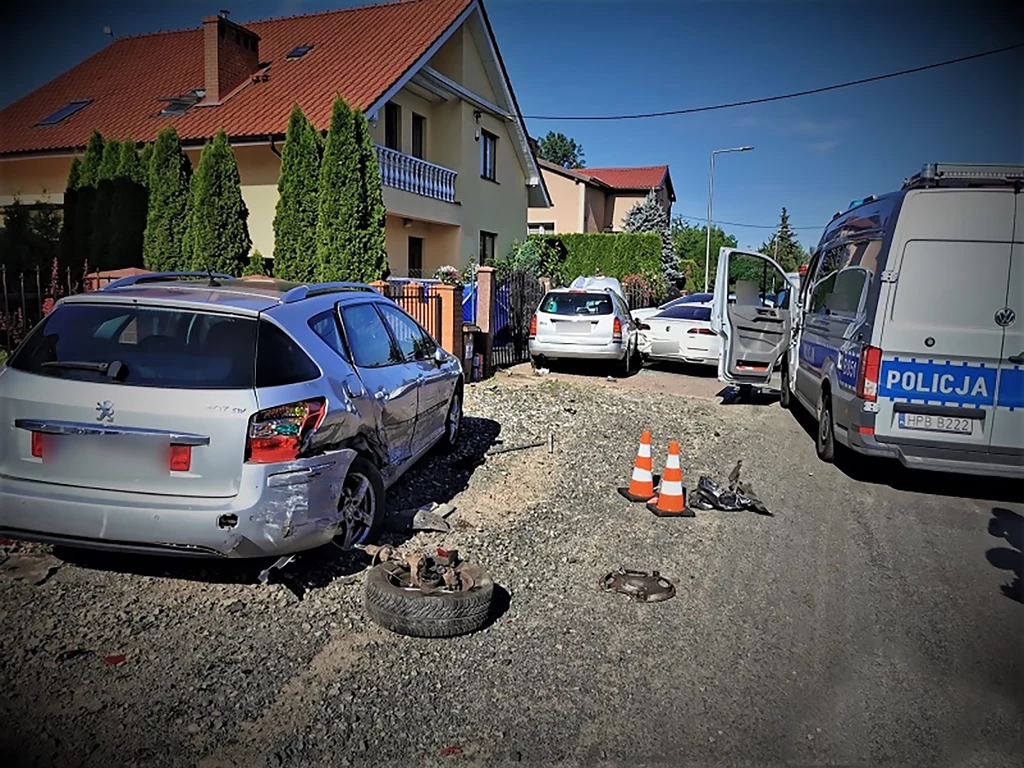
x=440, y=356
x=643, y=326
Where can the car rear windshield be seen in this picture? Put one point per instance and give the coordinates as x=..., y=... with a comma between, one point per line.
x=157, y=347
x=686, y=312
x=577, y=304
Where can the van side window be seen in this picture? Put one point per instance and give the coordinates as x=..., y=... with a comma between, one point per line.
x=835, y=290
x=846, y=291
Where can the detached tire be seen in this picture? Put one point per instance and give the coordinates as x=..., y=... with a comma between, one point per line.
x=418, y=614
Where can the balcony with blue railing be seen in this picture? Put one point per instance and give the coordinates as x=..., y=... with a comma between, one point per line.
x=411, y=174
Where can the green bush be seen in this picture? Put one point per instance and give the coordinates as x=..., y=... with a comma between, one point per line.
x=613, y=255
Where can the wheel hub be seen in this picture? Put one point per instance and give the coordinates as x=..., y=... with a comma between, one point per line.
x=356, y=508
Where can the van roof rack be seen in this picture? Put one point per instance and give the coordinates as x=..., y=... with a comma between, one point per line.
x=161, y=277
x=964, y=175
x=309, y=291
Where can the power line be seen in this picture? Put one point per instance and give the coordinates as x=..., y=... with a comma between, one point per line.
x=781, y=97
x=703, y=220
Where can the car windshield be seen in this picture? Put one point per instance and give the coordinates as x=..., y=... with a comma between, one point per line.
x=582, y=303
x=686, y=312
x=152, y=347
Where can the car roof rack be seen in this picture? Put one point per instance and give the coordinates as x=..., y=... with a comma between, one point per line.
x=160, y=277
x=322, y=289
x=964, y=175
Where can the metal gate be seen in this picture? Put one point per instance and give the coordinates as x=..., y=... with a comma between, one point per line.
x=420, y=302
x=517, y=298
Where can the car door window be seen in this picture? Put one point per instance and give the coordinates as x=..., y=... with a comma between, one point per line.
x=406, y=332
x=368, y=338
x=325, y=325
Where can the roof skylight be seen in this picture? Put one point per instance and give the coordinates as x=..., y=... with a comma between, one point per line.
x=299, y=51
x=64, y=112
x=179, y=105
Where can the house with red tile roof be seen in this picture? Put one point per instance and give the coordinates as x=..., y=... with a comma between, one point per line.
x=458, y=167
x=596, y=199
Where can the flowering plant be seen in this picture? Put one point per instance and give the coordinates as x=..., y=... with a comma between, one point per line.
x=448, y=275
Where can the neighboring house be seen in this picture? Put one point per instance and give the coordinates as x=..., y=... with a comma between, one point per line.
x=457, y=164
x=596, y=199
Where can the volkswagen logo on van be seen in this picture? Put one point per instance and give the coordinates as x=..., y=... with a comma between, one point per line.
x=1005, y=317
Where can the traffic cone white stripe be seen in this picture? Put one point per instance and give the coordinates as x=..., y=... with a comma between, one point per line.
x=645, y=450
x=671, y=488
x=642, y=474
x=672, y=462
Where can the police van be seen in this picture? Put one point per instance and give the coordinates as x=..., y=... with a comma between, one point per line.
x=906, y=338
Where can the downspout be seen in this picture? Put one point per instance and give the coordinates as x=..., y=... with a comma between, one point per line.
x=273, y=149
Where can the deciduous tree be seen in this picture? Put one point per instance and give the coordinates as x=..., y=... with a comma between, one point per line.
x=559, y=149
x=690, y=243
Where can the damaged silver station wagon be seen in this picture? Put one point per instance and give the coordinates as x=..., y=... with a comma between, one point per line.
x=203, y=415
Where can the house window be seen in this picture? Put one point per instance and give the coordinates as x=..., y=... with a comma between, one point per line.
x=487, y=241
x=419, y=133
x=488, y=150
x=415, y=257
x=393, y=126
x=541, y=228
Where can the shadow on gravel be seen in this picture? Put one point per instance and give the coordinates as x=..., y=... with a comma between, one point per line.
x=1008, y=525
x=434, y=478
x=684, y=369
x=866, y=469
x=733, y=395
x=500, y=603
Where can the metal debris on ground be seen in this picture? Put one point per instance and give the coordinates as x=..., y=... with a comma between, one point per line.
x=639, y=586
x=71, y=653
x=737, y=497
x=32, y=567
x=536, y=444
x=281, y=562
x=429, y=517
x=542, y=371
x=115, y=661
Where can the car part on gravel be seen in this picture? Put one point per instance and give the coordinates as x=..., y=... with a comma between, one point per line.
x=710, y=495
x=277, y=565
x=639, y=586
x=32, y=567
x=427, y=595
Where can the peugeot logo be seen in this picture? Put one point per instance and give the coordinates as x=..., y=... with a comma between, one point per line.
x=106, y=411
x=1005, y=317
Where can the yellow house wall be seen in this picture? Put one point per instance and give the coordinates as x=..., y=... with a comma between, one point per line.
x=34, y=179
x=565, y=203
x=595, y=211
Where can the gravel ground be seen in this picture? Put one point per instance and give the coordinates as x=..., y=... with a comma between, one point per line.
x=863, y=623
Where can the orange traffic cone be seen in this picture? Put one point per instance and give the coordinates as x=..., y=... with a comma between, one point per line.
x=641, y=484
x=671, y=499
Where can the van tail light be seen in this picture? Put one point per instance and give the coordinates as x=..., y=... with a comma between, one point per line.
x=867, y=377
x=702, y=331
x=181, y=458
x=37, y=444
x=278, y=434
x=616, y=330
x=533, y=327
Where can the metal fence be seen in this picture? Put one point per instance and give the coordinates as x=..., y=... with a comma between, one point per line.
x=420, y=302
x=27, y=297
x=516, y=300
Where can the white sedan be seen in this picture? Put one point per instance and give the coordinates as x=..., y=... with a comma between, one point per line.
x=694, y=298
x=681, y=333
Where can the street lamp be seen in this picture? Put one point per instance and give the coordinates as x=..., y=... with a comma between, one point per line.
x=711, y=190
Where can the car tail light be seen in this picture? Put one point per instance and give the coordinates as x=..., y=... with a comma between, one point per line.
x=702, y=331
x=616, y=330
x=181, y=458
x=37, y=444
x=867, y=376
x=277, y=434
x=533, y=327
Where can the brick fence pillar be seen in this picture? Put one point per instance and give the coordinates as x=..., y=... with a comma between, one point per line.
x=486, y=291
x=450, y=336
x=380, y=286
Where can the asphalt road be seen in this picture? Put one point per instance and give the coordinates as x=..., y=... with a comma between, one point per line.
x=875, y=618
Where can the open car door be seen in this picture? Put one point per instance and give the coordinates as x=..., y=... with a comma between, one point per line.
x=755, y=333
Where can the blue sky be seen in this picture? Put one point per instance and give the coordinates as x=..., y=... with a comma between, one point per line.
x=813, y=154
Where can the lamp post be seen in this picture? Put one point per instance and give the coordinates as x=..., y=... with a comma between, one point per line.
x=711, y=191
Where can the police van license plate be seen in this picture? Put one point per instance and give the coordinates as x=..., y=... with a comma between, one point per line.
x=932, y=423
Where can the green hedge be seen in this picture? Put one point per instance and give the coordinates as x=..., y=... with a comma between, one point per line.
x=614, y=255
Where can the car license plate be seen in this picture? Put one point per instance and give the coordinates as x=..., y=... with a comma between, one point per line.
x=930, y=423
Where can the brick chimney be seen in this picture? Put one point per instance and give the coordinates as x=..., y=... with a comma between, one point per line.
x=231, y=54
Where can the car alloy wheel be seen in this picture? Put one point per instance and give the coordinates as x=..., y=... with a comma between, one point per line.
x=359, y=506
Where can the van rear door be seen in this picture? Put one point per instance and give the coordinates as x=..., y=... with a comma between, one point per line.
x=1008, y=419
x=941, y=345
x=754, y=333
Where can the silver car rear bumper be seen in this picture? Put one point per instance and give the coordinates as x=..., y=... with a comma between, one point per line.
x=280, y=509
x=610, y=351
